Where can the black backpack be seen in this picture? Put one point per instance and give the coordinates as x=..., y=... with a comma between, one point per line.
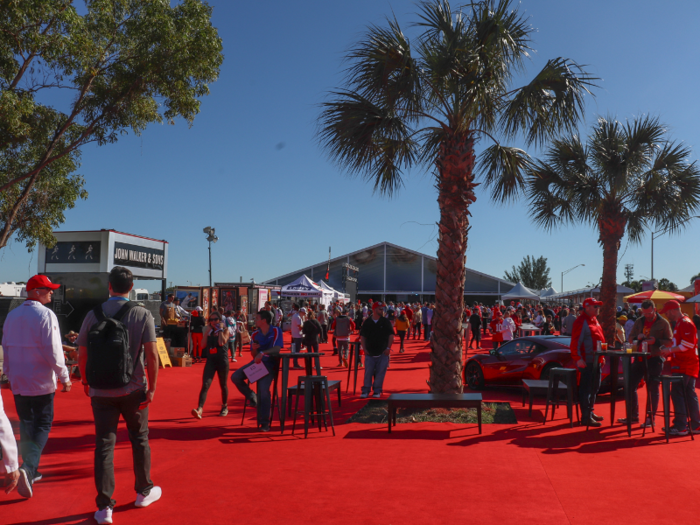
x=109, y=363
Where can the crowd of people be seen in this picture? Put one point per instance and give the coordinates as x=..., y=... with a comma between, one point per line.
x=35, y=355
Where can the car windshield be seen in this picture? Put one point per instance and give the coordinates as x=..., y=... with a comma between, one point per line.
x=566, y=341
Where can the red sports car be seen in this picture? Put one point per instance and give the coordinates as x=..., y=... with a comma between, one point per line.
x=524, y=358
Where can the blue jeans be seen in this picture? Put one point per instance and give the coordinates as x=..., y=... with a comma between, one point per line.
x=680, y=419
x=587, y=392
x=375, y=368
x=35, y=418
x=264, y=397
x=296, y=349
x=426, y=331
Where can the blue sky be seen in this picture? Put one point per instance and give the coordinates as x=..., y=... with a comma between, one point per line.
x=250, y=165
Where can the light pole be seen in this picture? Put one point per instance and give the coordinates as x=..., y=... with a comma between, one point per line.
x=211, y=237
x=565, y=272
x=660, y=233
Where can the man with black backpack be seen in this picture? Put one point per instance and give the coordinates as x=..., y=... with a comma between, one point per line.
x=111, y=363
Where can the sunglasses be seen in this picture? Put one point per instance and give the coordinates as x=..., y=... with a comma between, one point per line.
x=214, y=319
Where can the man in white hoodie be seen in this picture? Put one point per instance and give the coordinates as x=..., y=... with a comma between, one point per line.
x=33, y=358
x=8, y=445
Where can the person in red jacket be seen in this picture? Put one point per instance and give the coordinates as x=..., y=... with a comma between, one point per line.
x=585, y=335
x=684, y=362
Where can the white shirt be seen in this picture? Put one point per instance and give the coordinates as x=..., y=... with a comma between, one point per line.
x=506, y=327
x=7, y=442
x=31, y=342
x=296, y=326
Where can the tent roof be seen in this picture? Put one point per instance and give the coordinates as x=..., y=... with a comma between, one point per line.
x=520, y=291
x=302, y=287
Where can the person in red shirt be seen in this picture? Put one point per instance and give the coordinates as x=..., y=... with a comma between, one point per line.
x=684, y=362
x=585, y=335
x=497, y=336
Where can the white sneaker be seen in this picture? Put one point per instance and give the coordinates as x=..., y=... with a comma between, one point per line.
x=364, y=396
x=24, y=487
x=104, y=515
x=376, y=396
x=153, y=496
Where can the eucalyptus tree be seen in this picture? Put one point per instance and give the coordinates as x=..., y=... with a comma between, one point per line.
x=426, y=102
x=121, y=65
x=623, y=179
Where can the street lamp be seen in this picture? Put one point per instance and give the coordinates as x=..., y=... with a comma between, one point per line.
x=660, y=233
x=567, y=271
x=211, y=237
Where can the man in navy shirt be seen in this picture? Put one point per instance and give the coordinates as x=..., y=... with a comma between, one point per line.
x=265, y=343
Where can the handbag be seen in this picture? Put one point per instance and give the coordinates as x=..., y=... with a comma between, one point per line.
x=245, y=336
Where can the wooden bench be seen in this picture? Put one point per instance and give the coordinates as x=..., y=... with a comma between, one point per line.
x=433, y=401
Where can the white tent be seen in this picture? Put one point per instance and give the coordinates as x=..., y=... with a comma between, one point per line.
x=302, y=287
x=340, y=296
x=549, y=291
x=520, y=291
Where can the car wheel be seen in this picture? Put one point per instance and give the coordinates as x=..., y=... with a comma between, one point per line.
x=544, y=376
x=474, y=377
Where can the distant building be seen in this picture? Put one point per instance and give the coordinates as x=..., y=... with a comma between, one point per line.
x=388, y=272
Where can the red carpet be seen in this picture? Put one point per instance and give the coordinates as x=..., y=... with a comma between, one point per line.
x=216, y=471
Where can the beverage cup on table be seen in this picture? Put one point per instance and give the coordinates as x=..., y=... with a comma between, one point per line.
x=604, y=347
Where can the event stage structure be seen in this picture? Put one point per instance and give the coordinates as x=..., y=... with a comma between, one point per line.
x=388, y=272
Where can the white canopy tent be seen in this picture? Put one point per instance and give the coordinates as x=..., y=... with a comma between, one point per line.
x=520, y=291
x=339, y=296
x=306, y=288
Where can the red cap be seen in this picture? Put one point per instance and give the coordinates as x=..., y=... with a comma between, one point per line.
x=376, y=305
x=41, y=281
x=592, y=302
x=670, y=305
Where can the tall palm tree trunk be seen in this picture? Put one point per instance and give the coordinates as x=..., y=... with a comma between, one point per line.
x=611, y=225
x=455, y=186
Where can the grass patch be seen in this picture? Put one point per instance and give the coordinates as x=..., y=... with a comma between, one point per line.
x=375, y=411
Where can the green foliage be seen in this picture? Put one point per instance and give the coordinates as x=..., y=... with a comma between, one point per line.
x=404, y=100
x=630, y=168
x=635, y=285
x=128, y=63
x=667, y=286
x=533, y=273
x=693, y=278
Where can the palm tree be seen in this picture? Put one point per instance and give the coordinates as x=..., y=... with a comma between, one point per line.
x=625, y=178
x=426, y=103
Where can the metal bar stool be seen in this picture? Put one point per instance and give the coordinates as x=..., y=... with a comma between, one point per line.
x=568, y=377
x=314, y=389
x=666, y=392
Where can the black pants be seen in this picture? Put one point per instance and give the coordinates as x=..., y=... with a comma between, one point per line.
x=485, y=325
x=587, y=392
x=216, y=364
x=106, y=411
x=324, y=337
x=476, y=336
x=35, y=418
x=402, y=336
x=416, y=330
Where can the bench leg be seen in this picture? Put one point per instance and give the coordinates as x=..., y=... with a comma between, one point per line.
x=478, y=415
x=390, y=418
x=529, y=410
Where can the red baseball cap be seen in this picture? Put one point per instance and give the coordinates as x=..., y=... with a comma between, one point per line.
x=670, y=305
x=41, y=281
x=592, y=302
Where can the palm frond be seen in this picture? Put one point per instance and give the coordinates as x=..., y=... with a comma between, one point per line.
x=367, y=139
x=503, y=169
x=382, y=69
x=552, y=103
x=637, y=224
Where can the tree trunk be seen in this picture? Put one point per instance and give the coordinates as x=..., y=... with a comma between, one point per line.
x=611, y=226
x=455, y=185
